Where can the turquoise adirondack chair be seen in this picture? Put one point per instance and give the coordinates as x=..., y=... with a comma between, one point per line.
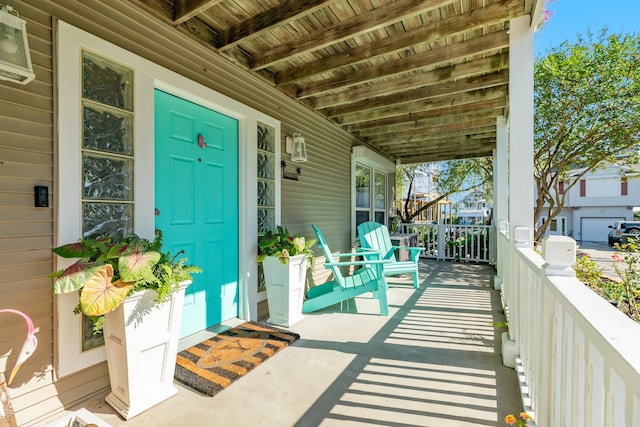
x=368, y=278
x=375, y=236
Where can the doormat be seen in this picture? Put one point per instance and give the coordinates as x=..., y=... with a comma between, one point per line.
x=214, y=364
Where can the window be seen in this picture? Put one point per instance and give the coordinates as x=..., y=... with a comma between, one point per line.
x=561, y=187
x=370, y=192
x=107, y=148
x=266, y=186
x=371, y=195
x=624, y=187
x=363, y=194
x=583, y=188
x=380, y=197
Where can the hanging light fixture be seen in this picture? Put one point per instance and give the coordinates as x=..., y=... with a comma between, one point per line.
x=296, y=147
x=15, y=58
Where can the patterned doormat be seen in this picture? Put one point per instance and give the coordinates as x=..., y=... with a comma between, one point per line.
x=212, y=365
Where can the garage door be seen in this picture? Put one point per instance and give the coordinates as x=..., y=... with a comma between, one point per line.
x=596, y=229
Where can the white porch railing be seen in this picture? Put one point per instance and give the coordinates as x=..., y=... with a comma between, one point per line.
x=452, y=242
x=578, y=357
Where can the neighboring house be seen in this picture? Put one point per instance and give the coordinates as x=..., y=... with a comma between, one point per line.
x=424, y=190
x=600, y=198
x=136, y=120
x=474, y=209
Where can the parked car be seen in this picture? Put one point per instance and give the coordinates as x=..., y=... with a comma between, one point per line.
x=620, y=228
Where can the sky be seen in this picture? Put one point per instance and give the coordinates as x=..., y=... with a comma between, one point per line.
x=572, y=17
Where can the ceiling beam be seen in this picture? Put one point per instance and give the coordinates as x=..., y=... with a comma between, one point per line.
x=443, y=89
x=457, y=144
x=476, y=67
x=428, y=123
x=183, y=10
x=463, y=128
x=490, y=103
x=284, y=13
x=470, y=20
x=446, y=142
x=445, y=155
x=422, y=106
x=359, y=24
x=438, y=56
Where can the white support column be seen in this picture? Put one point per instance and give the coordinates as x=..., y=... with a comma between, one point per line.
x=521, y=184
x=500, y=187
x=501, y=173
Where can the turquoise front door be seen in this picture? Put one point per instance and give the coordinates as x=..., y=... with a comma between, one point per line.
x=196, y=196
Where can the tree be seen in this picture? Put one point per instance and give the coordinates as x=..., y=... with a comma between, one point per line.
x=587, y=113
x=455, y=176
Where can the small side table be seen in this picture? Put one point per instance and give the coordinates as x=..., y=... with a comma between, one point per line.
x=401, y=239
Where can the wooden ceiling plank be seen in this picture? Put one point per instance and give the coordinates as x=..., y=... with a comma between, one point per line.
x=428, y=123
x=442, y=55
x=452, y=144
x=286, y=12
x=444, y=89
x=445, y=138
x=413, y=117
x=476, y=67
x=443, y=143
x=183, y=10
x=360, y=24
x=447, y=131
x=455, y=146
x=416, y=159
x=439, y=102
x=477, y=18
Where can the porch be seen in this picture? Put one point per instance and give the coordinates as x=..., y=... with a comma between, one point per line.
x=435, y=360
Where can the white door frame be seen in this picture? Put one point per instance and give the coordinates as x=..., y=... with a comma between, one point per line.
x=148, y=76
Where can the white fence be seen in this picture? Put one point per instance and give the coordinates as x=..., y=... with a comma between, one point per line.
x=578, y=357
x=452, y=242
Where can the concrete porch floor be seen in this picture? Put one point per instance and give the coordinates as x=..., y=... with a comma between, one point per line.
x=434, y=361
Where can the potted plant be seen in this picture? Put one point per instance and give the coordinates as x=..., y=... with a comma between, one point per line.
x=136, y=292
x=285, y=260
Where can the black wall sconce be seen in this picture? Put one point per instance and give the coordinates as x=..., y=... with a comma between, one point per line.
x=290, y=175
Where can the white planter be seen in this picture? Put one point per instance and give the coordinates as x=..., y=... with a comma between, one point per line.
x=141, y=340
x=285, y=289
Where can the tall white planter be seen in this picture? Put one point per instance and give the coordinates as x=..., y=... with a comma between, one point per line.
x=141, y=340
x=285, y=289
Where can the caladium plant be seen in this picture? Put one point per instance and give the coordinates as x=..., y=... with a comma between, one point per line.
x=107, y=271
x=283, y=245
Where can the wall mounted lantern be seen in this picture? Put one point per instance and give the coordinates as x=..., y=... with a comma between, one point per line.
x=295, y=146
x=15, y=58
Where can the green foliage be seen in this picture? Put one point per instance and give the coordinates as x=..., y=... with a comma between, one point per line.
x=626, y=264
x=500, y=325
x=282, y=245
x=586, y=113
x=588, y=272
x=466, y=174
x=107, y=272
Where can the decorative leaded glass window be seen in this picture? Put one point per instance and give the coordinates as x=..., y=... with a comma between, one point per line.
x=107, y=147
x=107, y=157
x=266, y=185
